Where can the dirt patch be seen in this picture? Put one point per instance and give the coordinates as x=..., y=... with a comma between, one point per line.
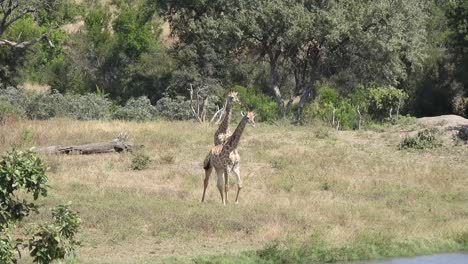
x=444, y=121
x=75, y=27
x=35, y=87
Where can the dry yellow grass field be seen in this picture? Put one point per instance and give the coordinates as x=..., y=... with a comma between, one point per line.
x=302, y=185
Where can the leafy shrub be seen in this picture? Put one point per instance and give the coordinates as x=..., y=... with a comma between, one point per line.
x=13, y=100
x=460, y=106
x=425, y=139
x=385, y=101
x=333, y=109
x=174, y=109
x=45, y=105
x=56, y=240
x=264, y=106
x=22, y=173
x=463, y=133
x=357, y=108
x=8, y=248
x=138, y=109
x=88, y=107
x=140, y=162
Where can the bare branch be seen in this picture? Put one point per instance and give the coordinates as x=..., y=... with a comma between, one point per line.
x=25, y=44
x=195, y=114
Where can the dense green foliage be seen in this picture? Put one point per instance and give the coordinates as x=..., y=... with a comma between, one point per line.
x=22, y=174
x=282, y=50
x=425, y=139
x=57, y=240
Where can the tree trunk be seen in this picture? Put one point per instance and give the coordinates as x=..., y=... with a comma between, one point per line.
x=274, y=82
x=305, y=98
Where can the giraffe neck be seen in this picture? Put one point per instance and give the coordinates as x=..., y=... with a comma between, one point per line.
x=234, y=139
x=227, y=117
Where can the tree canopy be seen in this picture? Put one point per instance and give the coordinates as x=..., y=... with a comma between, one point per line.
x=284, y=49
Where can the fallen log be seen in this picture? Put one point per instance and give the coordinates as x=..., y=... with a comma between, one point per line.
x=118, y=145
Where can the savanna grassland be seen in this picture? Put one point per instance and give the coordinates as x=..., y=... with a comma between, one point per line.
x=310, y=194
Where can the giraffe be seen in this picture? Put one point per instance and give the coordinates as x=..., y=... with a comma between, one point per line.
x=222, y=159
x=223, y=132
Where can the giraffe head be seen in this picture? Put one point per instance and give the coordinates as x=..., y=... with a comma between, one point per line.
x=232, y=96
x=250, y=117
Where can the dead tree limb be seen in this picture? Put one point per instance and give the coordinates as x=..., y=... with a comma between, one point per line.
x=118, y=145
x=198, y=104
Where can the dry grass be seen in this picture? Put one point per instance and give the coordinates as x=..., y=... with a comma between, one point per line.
x=300, y=184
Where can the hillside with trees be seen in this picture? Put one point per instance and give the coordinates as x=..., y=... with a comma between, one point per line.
x=285, y=51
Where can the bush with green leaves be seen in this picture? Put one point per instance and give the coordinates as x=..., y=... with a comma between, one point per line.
x=425, y=139
x=333, y=109
x=460, y=106
x=45, y=105
x=463, y=133
x=11, y=97
x=138, y=109
x=174, y=109
x=20, y=171
x=88, y=106
x=22, y=175
x=56, y=240
x=384, y=102
x=265, y=107
x=140, y=162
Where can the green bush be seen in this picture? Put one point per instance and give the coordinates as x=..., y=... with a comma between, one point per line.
x=45, y=105
x=460, y=106
x=463, y=133
x=140, y=162
x=13, y=100
x=264, y=106
x=138, y=109
x=88, y=107
x=174, y=109
x=22, y=174
x=384, y=102
x=333, y=109
x=425, y=139
x=56, y=240
x=8, y=247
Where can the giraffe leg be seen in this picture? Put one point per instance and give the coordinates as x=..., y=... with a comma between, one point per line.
x=206, y=181
x=220, y=184
x=226, y=183
x=236, y=171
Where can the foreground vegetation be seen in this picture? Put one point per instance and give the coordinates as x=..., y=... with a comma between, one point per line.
x=310, y=194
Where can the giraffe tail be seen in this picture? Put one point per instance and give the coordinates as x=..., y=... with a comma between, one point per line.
x=207, y=162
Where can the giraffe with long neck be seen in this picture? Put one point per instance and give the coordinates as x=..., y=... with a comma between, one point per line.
x=220, y=158
x=223, y=132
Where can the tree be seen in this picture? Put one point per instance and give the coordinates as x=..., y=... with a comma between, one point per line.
x=30, y=38
x=345, y=42
x=13, y=10
x=457, y=12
